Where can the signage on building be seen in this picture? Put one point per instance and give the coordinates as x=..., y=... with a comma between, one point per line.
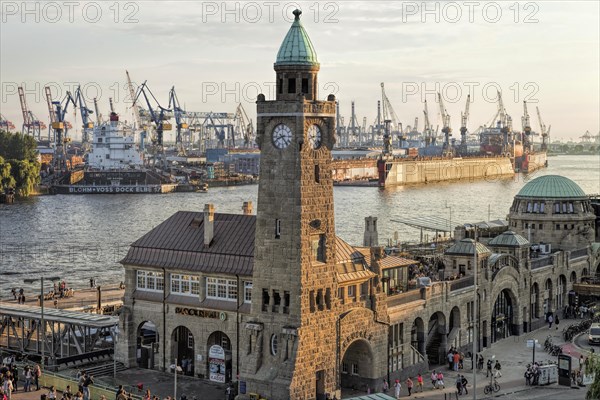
x=201, y=313
x=216, y=363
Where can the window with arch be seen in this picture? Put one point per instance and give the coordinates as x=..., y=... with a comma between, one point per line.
x=274, y=344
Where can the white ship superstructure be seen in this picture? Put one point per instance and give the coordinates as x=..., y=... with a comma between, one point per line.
x=112, y=148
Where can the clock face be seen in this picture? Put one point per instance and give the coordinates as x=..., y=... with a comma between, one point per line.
x=282, y=136
x=314, y=136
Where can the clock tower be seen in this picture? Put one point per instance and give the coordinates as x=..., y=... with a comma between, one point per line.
x=289, y=340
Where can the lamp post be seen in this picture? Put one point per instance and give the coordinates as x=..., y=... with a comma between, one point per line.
x=476, y=306
x=176, y=369
x=43, y=328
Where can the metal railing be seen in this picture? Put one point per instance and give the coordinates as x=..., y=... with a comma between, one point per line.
x=542, y=262
x=578, y=253
x=462, y=283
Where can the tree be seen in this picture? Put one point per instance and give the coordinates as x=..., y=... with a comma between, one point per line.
x=19, y=166
x=593, y=367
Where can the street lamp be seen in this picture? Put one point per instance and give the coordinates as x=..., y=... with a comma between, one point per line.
x=43, y=328
x=176, y=369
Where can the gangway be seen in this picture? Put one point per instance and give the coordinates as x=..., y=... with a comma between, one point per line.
x=54, y=335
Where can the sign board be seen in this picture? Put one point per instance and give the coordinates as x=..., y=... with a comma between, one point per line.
x=216, y=363
x=531, y=343
x=564, y=370
x=588, y=379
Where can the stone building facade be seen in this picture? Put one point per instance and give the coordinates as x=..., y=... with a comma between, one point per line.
x=279, y=304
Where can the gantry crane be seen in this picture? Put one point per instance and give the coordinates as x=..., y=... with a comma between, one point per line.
x=545, y=133
x=244, y=126
x=353, y=127
x=389, y=114
x=31, y=124
x=87, y=125
x=98, y=115
x=158, y=116
x=464, y=118
x=526, y=125
x=446, y=129
x=60, y=128
x=430, y=137
x=181, y=127
x=6, y=125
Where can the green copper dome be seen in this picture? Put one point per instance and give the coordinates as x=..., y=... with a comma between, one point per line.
x=509, y=239
x=296, y=49
x=551, y=186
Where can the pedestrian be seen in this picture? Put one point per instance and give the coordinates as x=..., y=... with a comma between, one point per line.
x=81, y=380
x=37, y=374
x=385, y=386
x=434, y=379
x=550, y=321
x=419, y=382
x=89, y=380
x=464, y=382
x=556, y=321
x=489, y=368
x=440, y=380
x=28, y=378
x=455, y=360
x=51, y=394
x=147, y=395
x=459, y=385
x=397, y=388
x=7, y=386
x=527, y=376
x=497, y=368
x=15, y=375
x=480, y=362
x=409, y=385
x=450, y=360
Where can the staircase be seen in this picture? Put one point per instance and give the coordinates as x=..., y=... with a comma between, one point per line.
x=433, y=349
x=105, y=369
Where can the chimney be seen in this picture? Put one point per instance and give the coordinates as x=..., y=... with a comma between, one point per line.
x=209, y=223
x=371, y=236
x=247, y=208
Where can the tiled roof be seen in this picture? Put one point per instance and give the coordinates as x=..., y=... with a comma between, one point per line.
x=552, y=186
x=395, y=261
x=297, y=49
x=509, y=239
x=178, y=244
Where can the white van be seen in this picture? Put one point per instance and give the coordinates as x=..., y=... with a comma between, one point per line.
x=594, y=334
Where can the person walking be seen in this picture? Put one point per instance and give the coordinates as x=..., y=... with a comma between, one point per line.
x=397, y=388
x=497, y=368
x=480, y=362
x=89, y=380
x=385, y=386
x=51, y=394
x=550, y=321
x=455, y=361
x=28, y=378
x=420, y=383
x=434, y=379
x=458, y=385
x=489, y=368
x=464, y=382
x=409, y=385
x=440, y=380
x=556, y=321
x=450, y=360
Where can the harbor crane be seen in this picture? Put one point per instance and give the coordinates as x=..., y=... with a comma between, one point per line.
x=464, y=118
x=135, y=108
x=88, y=125
x=181, y=127
x=389, y=113
x=98, y=115
x=353, y=127
x=159, y=115
x=446, y=129
x=32, y=125
x=6, y=125
x=545, y=133
x=244, y=126
x=60, y=127
x=526, y=125
x=430, y=138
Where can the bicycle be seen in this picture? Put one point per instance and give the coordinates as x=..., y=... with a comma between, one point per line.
x=491, y=387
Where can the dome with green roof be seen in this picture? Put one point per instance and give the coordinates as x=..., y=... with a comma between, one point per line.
x=509, y=239
x=552, y=187
x=465, y=246
x=297, y=49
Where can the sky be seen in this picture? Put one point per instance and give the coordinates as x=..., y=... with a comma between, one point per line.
x=218, y=54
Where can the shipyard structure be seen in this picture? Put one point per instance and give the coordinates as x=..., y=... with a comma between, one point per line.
x=280, y=305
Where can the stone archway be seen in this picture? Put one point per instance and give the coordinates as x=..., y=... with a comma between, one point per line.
x=437, y=344
x=503, y=316
x=357, y=369
x=147, y=345
x=534, y=309
x=417, y=337
x=548, y=296
x=454, y=332
x=561, y=293
x=573, y=278
x=219, y=359
x=182, y=349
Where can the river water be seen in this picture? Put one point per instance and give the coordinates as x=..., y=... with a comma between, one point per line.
x=84, y=236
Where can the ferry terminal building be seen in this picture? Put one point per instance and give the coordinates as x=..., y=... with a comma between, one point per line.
x=279, y=304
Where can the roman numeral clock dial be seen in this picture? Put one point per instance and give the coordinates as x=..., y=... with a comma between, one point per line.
x=282, y=136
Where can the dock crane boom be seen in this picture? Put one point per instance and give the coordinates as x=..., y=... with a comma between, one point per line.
x=180, y=125
x=31, y=125
x=427, y=129
x=464, y=118
x=97, y=109
x=545, y=133
x=245, y=125
x=88, y=125
x=60, y=127
x=388, y=110
x=134, y=106
x=446, y=130
x=5, y=124
x=159, y=116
